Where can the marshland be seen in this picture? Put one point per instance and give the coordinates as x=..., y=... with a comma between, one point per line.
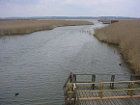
x=126, y=35
x=18, y=26
x=43, y=41
x=35, y=66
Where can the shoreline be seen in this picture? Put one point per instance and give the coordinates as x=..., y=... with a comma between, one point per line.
x=122, y=55
x=128, y=64
x=21, y=27
x=116, y=34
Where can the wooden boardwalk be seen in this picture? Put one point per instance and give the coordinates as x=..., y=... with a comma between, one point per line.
x=87, y=97
x=99, y=92
x=111, y=102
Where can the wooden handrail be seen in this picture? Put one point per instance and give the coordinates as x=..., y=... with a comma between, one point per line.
x=72, y=88
x=115, y=82
x=111, y=97
x=130, y=89
x=112, y=90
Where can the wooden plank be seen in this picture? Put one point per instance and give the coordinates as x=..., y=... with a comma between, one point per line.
x=131, y=101
x=110, y=90
x=115, y=82
x=87, y=93
x=112, y=97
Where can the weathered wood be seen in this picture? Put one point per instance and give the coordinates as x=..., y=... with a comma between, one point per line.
x=112, y=97
x=103, y=92
x=117, y=82
x=74, y=77
x=101, y=89
x=112, y=80
x=131, y=91
x=93, y=80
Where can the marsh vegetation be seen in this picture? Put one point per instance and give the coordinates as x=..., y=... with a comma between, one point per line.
x=14, y=27
x=125, y=34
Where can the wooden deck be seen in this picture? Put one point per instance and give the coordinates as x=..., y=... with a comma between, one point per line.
x=131, y=101
x=93, y=92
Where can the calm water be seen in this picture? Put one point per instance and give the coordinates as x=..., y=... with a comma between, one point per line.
x=37, y=65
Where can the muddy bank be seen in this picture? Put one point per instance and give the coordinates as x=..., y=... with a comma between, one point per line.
x=126, y=35
x=16, y=27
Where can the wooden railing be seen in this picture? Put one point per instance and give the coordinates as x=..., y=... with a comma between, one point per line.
x=103, y=87
x=76, y=90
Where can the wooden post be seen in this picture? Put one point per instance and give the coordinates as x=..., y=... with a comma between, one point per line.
x=74, y=89
x=131, y=78
x=131, y=91
x=101, y=90
x=93, y=80
x=74, y=77
x=112, y=80
x=71, y=77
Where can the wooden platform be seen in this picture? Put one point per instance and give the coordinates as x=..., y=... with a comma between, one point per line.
x=93, y=92
x=111, y=102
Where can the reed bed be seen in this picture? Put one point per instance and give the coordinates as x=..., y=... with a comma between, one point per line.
x=14, y=27
x=125, y=34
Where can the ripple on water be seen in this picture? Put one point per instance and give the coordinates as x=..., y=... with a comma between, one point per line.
x=37, y=65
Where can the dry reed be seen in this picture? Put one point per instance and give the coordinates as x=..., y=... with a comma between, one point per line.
x=125, y=34
x=14, y=27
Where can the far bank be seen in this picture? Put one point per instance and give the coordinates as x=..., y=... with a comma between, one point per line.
x=17, y=27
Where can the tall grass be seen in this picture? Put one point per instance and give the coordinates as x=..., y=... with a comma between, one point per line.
x=13, y=27
x=125, y=34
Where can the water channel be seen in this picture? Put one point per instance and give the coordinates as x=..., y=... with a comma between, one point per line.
x=37, y=65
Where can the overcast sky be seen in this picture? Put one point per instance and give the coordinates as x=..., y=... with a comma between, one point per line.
x=25, y=8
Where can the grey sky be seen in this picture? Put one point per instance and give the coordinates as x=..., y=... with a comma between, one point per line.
x=25, y=8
